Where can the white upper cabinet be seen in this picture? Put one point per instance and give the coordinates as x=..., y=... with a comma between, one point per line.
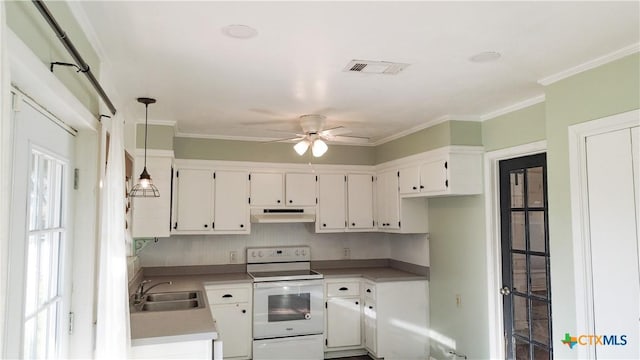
x=388, y=200
x=332, y=203
x=300, y=189
x=194, y=200
x=151, y=216
x=443, y=172
x=231, y=207
x=360, y=202
x=267, y=189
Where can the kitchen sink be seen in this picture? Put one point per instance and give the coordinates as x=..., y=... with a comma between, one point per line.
x=172, y=296
x=169, y=301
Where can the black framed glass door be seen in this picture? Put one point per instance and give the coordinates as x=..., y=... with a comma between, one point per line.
x=525, y=258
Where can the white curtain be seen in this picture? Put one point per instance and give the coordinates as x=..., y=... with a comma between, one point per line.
x=5, y=126
x=112, y=333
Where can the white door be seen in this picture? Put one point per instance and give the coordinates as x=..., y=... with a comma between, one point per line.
x=39, y=281
x=614, y=242
x=300, y=189
x=194, y=200
x=433, y=176
x=267, y=189
x=231, y=213
x=343, y=322
x=233, y=322
x=332, y=202
x=360, y=201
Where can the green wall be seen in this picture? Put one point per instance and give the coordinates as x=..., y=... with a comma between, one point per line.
x=213, y=149
x=607, y=90
x=26, y=22
x=458, y=267
x=159, y=137
x=448, y=133
x=516, y=128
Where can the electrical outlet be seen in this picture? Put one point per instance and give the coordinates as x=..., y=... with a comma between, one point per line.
x=233, y=257
x=458, y=301
x=346, y=253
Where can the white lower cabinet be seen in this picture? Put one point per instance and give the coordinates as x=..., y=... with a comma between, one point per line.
x=343, y=314
x=200, y=349
x=231, y=308
x=388, y=319
x=398, y=320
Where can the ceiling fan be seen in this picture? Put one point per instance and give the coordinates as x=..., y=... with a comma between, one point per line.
x=315, y=135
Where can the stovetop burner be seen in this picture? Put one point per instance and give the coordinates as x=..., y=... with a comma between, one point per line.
x=280, y=264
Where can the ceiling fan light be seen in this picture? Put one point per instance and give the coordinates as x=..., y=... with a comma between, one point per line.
x=301, y=147
x=319, y=148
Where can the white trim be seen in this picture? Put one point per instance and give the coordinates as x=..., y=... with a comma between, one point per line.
x=85, y=25
x=416, y=158
x=593, y=63
x=155, y=153
x=20, y=97
x=256, y=139
x=585, y=322
x=158, y=122
x=31, y=76
x=493, y=240
x=513, y=107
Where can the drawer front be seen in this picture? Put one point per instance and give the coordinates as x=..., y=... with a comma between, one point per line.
x=369, y=291
x=343, y=289
x=228, y=295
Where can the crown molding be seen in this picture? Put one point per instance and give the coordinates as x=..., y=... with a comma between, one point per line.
x=513, y=107
x=223, y=137
x=618, y=54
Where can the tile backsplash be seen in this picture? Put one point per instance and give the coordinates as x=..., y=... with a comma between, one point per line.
x=216, y=249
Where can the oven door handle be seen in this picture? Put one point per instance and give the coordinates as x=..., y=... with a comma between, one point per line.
x=290, y=283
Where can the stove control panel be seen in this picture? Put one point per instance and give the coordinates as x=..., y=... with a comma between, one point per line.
x=278, y=254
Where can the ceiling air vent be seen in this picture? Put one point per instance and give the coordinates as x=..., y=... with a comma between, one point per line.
x=375, y=67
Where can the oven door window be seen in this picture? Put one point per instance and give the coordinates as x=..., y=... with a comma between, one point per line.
x=289, y=307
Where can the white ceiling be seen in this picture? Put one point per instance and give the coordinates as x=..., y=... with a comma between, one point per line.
x=211, y=84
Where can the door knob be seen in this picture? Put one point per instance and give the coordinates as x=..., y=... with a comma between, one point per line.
x=505, y=291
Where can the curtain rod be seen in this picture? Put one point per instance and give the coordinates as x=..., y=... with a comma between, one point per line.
x=71, y=49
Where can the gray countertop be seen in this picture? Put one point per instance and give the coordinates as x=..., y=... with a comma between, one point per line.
x=197, y=324
x=156, y=327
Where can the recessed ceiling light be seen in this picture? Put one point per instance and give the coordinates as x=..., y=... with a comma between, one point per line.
x=239, y=31
x=486, y=56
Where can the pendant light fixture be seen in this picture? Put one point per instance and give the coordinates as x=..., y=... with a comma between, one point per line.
x=145, y=187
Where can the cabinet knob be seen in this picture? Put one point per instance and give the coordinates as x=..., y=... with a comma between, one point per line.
x=370, y=307
x=278, y=201
x=244, y=311
x=324, y=225
x=353, y=224
x=241, y=225
x=175, y=226
x=290, y=201
x=343, y=288
x=206, y=225
x=357, y=303
x=415, y=188
x=421, y=186
x=368, y=290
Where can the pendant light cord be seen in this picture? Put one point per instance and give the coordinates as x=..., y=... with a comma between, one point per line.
x=146, y=117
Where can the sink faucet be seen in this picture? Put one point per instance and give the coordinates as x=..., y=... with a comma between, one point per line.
x=141, y=291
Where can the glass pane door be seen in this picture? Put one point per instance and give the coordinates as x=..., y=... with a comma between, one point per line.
x=525, y=258
x=46, y=235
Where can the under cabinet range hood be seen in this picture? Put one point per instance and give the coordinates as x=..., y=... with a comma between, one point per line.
x=280, y=215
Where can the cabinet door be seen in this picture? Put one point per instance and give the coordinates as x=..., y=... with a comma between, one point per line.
x=343, y=322
x=388, y=200
x=433, y=175
x=151, y=216
x=194, y=199
x=332, y=202
x=360, y=201
x=300, y=189
x=370, y=333
x=233, y=322
x=410, y=180
x=231, y=206
x=267, y=189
